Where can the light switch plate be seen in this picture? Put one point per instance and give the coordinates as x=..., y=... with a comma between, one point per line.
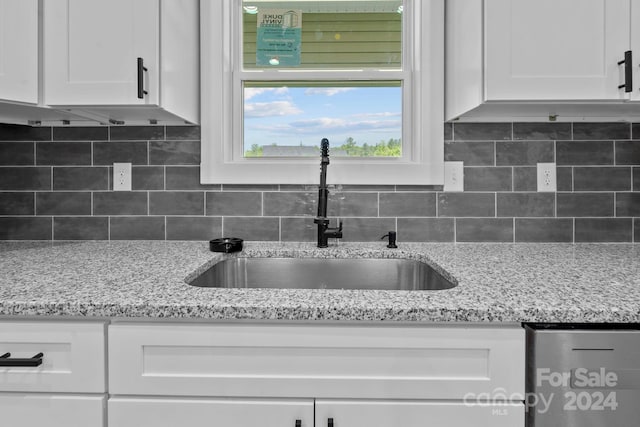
x=453, y=176
x=122, y=177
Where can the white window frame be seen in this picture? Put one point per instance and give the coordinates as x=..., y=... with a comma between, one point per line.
x=423, y=108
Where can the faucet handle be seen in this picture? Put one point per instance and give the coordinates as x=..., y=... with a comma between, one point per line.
x=339, y=224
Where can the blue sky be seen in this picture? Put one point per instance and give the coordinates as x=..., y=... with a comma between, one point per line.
x=294, y=115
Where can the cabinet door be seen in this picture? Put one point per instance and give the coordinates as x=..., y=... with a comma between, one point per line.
x=91, y=49
x=371, y=413
x=19, y=50
x=635, y=48
x=555, y=49
x=140, y=412
x=38, y=410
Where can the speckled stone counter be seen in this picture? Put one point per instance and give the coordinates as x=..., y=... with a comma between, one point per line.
x=496, y=283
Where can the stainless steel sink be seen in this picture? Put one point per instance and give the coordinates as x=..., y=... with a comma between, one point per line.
x=319, y=273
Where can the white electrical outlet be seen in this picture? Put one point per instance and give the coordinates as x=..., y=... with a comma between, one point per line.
x=547, y=177
x=122, y=177
x=453, y=176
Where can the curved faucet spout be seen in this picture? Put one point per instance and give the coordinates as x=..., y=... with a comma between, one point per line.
x=324, y=231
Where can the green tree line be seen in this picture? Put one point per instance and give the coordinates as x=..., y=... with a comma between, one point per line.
x=390, y=148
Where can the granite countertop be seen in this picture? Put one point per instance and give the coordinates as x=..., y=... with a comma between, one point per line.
x=496, y=283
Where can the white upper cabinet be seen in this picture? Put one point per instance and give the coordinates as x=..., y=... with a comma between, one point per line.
x=19, y=51
x=540, y=51
x=555, y=49
x=105, y=56
x=635, y=48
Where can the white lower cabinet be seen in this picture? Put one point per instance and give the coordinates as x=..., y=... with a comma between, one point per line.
x=52, y=374
x=347, y=376
x=51, y=410
x=165, y=412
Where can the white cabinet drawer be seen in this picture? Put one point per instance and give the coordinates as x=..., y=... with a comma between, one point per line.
x=315, y=361
x=37, y=410
x=132, y=412
x=73, y=356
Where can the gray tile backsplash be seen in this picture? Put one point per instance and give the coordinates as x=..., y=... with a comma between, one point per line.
x=55, y=183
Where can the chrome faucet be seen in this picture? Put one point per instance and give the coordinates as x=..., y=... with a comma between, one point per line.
x=324, y=231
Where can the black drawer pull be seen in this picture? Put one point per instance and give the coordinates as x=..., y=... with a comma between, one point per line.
x=329, y=422
x=298, y=423
x=141, y=70
x=5, y=360
x=628, y=72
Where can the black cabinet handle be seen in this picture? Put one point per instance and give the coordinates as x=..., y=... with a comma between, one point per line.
x=329, y=422
x=628, y=72
x=141, y=70
x=6, y=360
x=298, y=423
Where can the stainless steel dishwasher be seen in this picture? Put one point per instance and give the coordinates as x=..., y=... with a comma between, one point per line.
x=583, y=375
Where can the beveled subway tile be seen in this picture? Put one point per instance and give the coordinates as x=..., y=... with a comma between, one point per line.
x=25, y=178
x=541, y=131
x=484, y=230
x=176, y=203
x=120, y=203
x=80, y=178
x=10, y=132
x=137, y=228
x=364, y=229
x=564, y=178
x=187, y=132
x=584, y=152
x=63, y=203
x=110, y=152
x=81, y=133
x=471, y=153
x=25, y=228
x=636, y=230
x=17, y=153
x=636, y=179
x=488, y=179
x=521, y=153
x=136, y=133
x=63, y=153
x=603, y=230
x=174, y=152
x=81, y=228
x=602, y=179
x=187, y=178
x=147, y=178
x=353, y=204
x=525, y=178
x=481, y=131
x=194, y=228
x=298, y=229
x=14, y=204
x=424, y=188
x=628, y=204
x=466, y=204
x=252, y=228
x=541, y=230
x=407, y=204
x=627, y=152
x=584, y=204
x=426, y=229
x=448, y=131
x=290, y=204
x=586, y=130
x=228, y=203
x=526, y=204
x=635, y=131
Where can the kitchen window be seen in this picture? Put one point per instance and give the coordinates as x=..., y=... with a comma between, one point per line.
x=278, y=76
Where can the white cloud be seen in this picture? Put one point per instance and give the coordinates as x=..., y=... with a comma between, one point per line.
x=376, y=115
x=270, y=109
x=251, y=92
x=327, y=91
x=331, y=125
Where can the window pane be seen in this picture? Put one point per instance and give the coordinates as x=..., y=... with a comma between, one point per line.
x=289, y=119
x=329, y=34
